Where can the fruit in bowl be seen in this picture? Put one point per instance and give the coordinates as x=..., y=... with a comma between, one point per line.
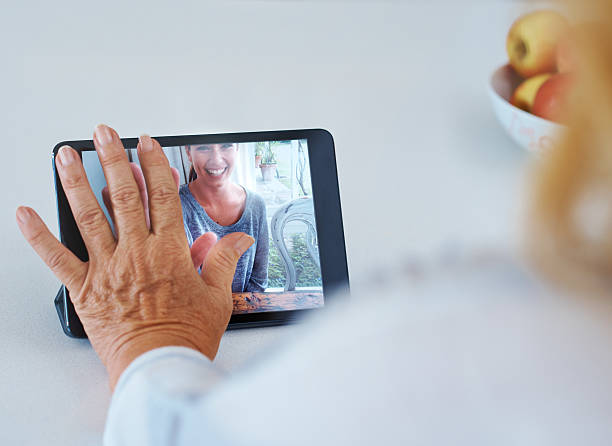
x=524, y=95
x=552, y=97
x=529, y=96
x=528, y=130
x=532, y=42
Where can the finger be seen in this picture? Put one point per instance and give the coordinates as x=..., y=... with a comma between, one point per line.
x=176, y=176
x=220, y=263
x=63, y=263
x=201, y=246
x=88, y=214
x=164, y=204
x=142, y=188
x=124, y=195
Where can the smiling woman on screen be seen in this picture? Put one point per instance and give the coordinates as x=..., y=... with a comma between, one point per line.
x=212, y=202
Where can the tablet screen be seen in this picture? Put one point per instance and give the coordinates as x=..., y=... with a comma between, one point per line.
x=263, y=189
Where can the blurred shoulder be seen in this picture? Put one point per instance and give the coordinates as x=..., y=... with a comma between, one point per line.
x=256, y=200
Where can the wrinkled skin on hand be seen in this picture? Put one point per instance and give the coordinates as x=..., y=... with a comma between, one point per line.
x=200, y=246
x=140, y=290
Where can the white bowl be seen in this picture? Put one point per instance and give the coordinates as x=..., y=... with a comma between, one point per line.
x=529, y=131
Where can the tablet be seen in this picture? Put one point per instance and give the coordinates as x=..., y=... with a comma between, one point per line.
x=291, y=208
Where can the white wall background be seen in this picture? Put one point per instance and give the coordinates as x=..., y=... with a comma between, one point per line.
x=401, y=86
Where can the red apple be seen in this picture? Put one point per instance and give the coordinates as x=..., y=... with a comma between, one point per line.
x=551, y=101
x=532, y=42
x=524, y=95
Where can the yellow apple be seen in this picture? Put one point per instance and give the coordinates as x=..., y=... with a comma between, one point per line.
x=524, y=95
x=532, y=42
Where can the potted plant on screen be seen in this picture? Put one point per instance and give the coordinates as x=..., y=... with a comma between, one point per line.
x=259, y=150
x=268, y=163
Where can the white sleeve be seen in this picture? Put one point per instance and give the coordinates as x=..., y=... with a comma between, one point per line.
x=153, y=395
x=454, y=360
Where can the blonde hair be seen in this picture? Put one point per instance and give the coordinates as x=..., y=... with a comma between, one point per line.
x=570, y=207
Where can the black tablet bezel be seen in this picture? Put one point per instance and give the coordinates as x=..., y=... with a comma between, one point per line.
x=328, y=216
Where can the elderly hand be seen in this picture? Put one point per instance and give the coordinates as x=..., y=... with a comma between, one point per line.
x=200, y=246
x=139, y=291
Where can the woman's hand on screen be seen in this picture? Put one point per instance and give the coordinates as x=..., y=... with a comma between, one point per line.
x=138, y=291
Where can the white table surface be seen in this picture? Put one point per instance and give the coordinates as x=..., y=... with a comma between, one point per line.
x=401, y=85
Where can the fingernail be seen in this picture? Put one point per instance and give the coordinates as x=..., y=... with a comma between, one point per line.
x=23, y=214
x=66, y=155
x=146, y=143
x=244, y=243
x=103, y=134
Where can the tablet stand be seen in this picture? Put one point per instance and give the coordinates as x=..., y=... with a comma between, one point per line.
x=72, y=326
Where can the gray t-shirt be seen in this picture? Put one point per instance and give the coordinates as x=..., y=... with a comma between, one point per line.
x=252, y=269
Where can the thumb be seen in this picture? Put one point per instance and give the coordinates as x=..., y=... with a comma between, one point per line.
x=201, y=246
x=220, y=262
x=176, y=176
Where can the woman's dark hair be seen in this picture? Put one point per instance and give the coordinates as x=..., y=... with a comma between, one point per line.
x=192, y=174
